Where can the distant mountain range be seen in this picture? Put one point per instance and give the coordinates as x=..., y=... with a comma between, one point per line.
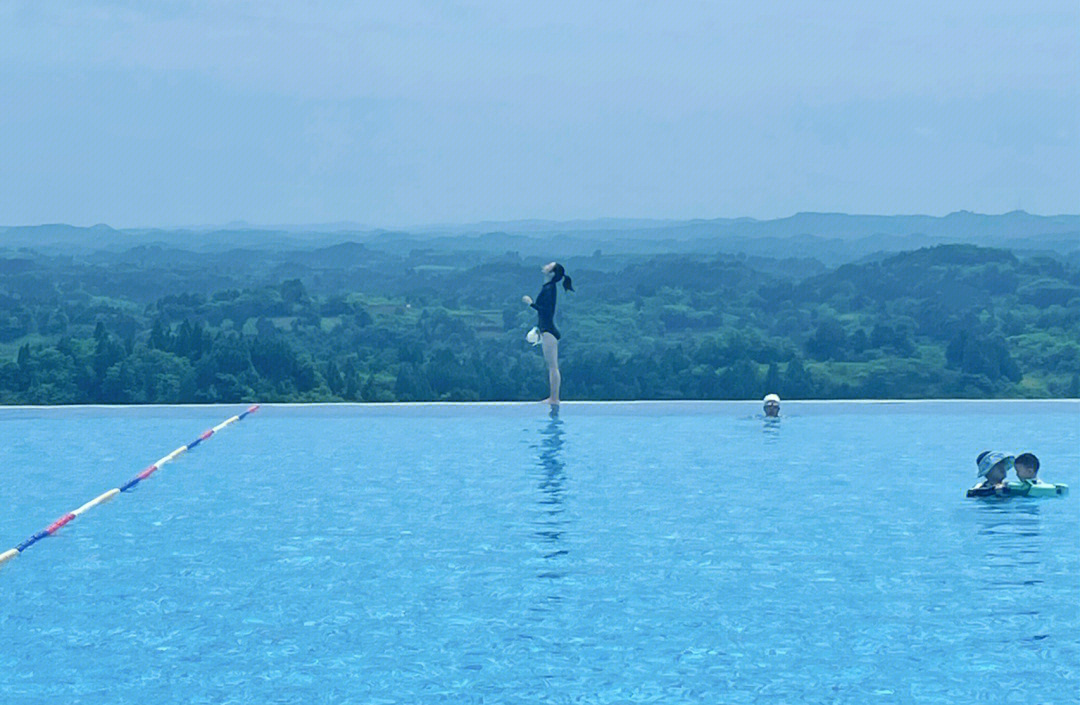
x=843, y=225
x=828, y=237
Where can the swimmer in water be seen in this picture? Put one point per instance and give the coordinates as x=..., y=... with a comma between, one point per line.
x=549, y=334
x=993, y=467
x=1027, y=468
x=1029, y=485
x=772, y=405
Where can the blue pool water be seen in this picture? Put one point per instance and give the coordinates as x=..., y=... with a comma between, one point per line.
x=465, y=554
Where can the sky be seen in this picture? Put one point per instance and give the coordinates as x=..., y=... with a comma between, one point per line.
x=395, y=114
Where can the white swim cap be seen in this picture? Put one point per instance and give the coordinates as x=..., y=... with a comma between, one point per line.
x=533, y=336
x=771, y=398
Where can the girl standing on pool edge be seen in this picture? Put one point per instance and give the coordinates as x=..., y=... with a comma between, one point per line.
x=549, y=334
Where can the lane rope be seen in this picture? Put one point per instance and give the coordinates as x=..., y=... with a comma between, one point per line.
x=127, y=486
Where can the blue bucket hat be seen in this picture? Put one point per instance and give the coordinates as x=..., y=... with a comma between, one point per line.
x=991, y=459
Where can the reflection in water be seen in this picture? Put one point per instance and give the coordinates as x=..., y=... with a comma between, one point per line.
x=550, y=625
x=771, y=428
x=1010, y=529
x=550, y=523
x=1013, y=567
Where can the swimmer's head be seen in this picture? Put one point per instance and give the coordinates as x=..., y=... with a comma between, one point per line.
x=772, y=405
x=994, y=466
x=997, y=473
x=1027, y=466
x=554, y=272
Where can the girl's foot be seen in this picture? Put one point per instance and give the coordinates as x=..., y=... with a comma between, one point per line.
x=549, y=400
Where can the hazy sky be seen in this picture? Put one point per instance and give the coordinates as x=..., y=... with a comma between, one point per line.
x=167, y=113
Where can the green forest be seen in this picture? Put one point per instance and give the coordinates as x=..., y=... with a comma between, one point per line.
x=354, y=322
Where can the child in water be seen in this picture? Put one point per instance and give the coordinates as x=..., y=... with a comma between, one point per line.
x=1027, y=471
x=1027, y=468
x=993, y=467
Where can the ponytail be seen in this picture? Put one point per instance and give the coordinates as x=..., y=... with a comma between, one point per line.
x=560, y=273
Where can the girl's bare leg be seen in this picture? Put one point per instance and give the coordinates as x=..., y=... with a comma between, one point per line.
x=551, y=357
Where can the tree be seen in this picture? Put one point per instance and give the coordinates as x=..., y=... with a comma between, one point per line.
x=293, y=292
x=772, y=379
x=741, y=381
x=798, y=383
x=160, y=338
x=333, y=378
x=829, y=342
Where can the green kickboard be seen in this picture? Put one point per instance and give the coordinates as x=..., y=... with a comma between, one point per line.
x=1038, y=489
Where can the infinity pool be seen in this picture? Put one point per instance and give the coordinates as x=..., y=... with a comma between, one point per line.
x=615, y=553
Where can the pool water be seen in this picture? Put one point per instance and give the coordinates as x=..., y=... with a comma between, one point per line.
x=615, y=553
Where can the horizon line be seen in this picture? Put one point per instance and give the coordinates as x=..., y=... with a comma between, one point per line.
x=347, y=225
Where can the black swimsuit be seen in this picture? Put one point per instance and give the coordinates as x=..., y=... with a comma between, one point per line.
x=545, y=310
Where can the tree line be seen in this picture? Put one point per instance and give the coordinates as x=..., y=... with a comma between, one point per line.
x=948, y=321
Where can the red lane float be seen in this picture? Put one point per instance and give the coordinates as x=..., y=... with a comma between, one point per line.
x=146, y=473
x=60, y=522
x=105, y=497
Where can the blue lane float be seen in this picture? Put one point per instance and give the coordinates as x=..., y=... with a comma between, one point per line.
x=127, y=486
